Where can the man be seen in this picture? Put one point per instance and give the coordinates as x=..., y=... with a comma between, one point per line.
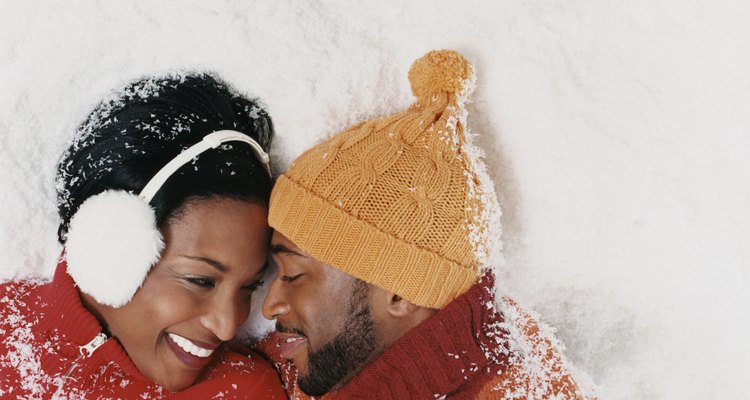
x=380, y=239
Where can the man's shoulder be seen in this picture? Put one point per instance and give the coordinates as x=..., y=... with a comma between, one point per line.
x=536, y=366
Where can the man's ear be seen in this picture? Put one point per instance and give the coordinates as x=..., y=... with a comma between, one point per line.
x=399, y=307
x=395, y=314
x=396, y=308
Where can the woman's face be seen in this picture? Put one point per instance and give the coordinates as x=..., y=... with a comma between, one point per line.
x=198, y=294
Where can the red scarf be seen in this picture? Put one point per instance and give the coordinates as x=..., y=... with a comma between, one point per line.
x=455, y=353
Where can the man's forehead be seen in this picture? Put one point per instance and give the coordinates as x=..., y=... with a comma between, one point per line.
x=278, y=239
x=279, y=242
x=282, y=244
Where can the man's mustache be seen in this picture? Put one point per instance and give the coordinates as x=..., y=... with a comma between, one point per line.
x=285, y=329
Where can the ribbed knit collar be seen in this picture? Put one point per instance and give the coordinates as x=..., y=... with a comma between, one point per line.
x=461, y=343
x=65, y=317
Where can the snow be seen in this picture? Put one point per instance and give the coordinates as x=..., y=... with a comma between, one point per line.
x=617, y=135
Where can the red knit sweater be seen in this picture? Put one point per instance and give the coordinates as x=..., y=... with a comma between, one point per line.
x=453, y=353
x=471, y=349
x=44, y=328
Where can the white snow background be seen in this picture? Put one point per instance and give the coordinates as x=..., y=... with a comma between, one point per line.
x=617, y=134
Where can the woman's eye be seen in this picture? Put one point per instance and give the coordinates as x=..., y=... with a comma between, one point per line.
x=255, y=286
x=201, y=281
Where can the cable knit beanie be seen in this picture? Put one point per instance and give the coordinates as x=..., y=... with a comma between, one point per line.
x=395, y=201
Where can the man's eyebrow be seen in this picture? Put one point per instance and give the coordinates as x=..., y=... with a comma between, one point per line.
x=210, y=261
x=277, y=248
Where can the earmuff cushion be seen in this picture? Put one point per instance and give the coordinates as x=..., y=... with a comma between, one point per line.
x=112, y=243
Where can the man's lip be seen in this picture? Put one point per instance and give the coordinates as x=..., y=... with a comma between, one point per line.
x=289, y=344
x=191, y=361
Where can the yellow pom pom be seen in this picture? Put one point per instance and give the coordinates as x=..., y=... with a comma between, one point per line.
x=438, y=72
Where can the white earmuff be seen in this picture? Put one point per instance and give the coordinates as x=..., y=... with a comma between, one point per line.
x=113, y=240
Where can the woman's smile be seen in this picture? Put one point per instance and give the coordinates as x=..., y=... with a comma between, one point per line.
x=194, y=354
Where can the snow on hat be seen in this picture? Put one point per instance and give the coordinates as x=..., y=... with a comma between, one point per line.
x=396, y=201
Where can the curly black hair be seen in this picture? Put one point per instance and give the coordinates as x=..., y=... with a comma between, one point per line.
x=130, y=136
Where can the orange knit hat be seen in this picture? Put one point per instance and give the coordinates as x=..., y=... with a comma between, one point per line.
x=395, y=201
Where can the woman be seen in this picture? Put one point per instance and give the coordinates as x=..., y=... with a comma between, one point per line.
x=163, y=201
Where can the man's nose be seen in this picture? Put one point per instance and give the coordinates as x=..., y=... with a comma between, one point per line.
x=275, y=303
x=225, y=315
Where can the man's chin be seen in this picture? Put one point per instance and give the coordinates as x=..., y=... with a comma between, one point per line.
x=314, y=386
x=303, y=368
x=336, y=362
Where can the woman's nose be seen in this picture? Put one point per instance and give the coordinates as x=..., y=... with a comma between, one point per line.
x=225, y=315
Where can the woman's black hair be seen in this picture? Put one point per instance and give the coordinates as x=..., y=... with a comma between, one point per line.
x=124, y=142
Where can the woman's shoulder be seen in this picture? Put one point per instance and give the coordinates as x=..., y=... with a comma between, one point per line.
x=238, y=376
x=245, y=363
x=20, y=348
x=17, y=297
x=23, y=301
x=21, y=287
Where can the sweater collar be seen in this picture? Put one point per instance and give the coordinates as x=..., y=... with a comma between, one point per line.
x=67, y=318
x=459, y=344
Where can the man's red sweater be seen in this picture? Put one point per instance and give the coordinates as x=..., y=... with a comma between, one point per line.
x=471, y=349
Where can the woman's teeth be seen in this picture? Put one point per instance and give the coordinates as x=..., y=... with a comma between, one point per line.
x=190, y=347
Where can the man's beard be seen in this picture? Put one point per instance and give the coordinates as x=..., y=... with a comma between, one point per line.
x=343, y=356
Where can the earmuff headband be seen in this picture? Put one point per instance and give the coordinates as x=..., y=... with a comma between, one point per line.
x=113, y=240
x=210, y=141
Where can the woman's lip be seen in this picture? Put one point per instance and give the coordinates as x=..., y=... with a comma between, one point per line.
x=193, y=362
x=289, y=344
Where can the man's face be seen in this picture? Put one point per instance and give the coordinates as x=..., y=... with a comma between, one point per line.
x=324, y=316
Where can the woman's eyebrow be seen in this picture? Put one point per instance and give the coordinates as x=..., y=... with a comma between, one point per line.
x=210, y=261
x=263, y=269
